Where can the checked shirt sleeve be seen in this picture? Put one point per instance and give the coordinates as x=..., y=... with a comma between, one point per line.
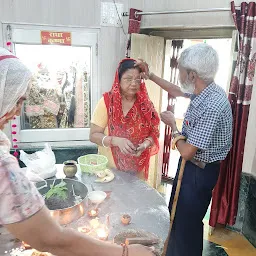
x=202, y=134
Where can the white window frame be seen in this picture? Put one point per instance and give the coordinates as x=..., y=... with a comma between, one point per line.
x=30, y=34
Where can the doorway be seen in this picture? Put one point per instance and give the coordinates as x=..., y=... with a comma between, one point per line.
x=223, y=46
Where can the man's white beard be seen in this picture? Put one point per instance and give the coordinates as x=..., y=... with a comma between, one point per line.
x=187, y=87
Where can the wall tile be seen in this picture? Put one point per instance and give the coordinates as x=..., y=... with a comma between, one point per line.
x=243, y=194
x=249, y=226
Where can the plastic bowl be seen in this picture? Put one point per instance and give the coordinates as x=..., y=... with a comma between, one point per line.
x=92, y=163
x=97, y=197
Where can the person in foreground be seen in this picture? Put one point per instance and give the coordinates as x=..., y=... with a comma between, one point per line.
x=125, y=123
x=207, y=127
x=22, y=209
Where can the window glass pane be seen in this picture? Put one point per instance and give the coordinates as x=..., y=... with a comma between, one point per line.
x=60, y=90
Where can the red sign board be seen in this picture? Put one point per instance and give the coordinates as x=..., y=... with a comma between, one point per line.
x=52, y=37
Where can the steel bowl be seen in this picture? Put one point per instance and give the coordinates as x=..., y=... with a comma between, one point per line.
x=72, y=213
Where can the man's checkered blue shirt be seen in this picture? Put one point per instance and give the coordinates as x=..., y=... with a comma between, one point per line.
x=208, y=124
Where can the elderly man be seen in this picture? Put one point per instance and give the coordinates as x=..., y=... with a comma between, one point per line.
x=207, y=127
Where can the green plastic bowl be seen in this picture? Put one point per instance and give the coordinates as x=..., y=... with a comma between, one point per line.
x=92, y=163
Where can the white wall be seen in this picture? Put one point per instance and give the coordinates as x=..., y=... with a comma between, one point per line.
x=249, y=163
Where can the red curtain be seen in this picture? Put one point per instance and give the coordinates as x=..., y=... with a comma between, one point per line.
x=226, y=192
x=176, y=47
x=133, y=28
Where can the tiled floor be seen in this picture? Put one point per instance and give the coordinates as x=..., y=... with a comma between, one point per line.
x=212, y=249
x=222, y=242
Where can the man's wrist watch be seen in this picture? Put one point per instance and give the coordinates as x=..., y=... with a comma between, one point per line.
x=175, y=133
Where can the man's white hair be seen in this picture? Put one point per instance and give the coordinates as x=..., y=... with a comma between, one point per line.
x=202, y=59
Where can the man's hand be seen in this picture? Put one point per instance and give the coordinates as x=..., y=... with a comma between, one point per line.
x=168, y=118
x=143, y=65
x=171, y=88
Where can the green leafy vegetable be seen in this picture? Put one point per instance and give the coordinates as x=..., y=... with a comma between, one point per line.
x=59, y=190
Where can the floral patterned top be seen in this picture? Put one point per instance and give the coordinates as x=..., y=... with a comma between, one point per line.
x=19, y=198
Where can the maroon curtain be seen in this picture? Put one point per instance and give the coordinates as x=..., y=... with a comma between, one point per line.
x=134, y=27
x=176, y=47
x=226, y=192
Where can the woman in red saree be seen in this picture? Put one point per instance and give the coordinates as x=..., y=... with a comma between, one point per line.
x=125, y=123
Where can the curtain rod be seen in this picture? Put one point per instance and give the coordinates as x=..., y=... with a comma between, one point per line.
x=181, y=11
